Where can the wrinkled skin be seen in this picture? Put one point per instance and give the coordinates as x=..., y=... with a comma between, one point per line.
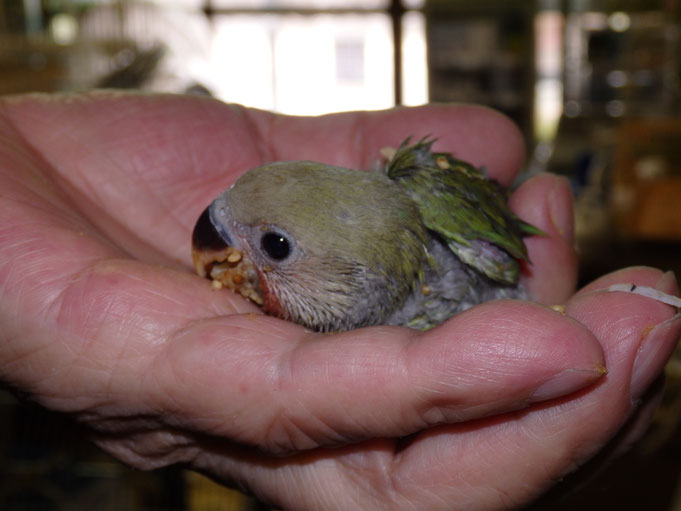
x=101, y=318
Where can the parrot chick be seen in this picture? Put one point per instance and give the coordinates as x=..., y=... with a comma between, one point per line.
x=335, y=249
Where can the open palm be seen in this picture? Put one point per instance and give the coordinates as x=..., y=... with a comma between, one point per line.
x=101, y=317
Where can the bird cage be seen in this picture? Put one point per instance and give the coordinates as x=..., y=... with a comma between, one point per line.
x=81, y=44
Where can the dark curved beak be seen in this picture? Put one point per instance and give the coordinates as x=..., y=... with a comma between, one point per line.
x=206, y=236
x=209, y=244
x=215, y=257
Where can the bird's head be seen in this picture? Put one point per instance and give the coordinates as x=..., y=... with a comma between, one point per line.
x=326, y=247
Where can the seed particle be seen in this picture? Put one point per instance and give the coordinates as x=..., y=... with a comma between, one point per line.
x=442, y=162
x=234, y=257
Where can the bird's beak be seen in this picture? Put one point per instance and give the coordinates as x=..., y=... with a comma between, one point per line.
x=206, y=244
x=215, y=257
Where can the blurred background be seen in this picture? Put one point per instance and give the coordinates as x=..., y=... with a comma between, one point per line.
x=594, y=86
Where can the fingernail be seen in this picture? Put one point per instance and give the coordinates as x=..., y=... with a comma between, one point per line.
x=667, y=283
x=560, y=210
x=653, y=354
x=566, y=382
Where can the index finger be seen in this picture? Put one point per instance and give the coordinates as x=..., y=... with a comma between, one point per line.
x=151, y=164
x=479, y=135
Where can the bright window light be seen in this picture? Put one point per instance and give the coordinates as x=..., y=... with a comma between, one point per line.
x=309, y=65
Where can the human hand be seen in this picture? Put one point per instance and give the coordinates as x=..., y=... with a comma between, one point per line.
x=101, y=318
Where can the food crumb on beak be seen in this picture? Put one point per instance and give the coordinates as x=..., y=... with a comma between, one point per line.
x=229, y=268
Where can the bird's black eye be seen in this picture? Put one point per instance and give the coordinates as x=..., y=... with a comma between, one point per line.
x=275, y=245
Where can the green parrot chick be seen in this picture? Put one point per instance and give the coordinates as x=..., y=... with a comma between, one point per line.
x=335, y=249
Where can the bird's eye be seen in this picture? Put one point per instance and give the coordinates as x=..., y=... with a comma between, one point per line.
x=275, y=245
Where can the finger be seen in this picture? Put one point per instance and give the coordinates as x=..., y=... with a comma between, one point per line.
x=650, y=355
x=140, y=167
x=476, y=134
x=87, y=338
x=545, y=201
x=555, y=437
x=320, y=479
x=317, y=390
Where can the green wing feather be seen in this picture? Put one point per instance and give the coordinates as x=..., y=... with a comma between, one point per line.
x=465, y=208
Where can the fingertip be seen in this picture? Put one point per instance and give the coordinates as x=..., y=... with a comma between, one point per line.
x=621, y=320
x=546, y=202
x=638, y=334
x=521, y=344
